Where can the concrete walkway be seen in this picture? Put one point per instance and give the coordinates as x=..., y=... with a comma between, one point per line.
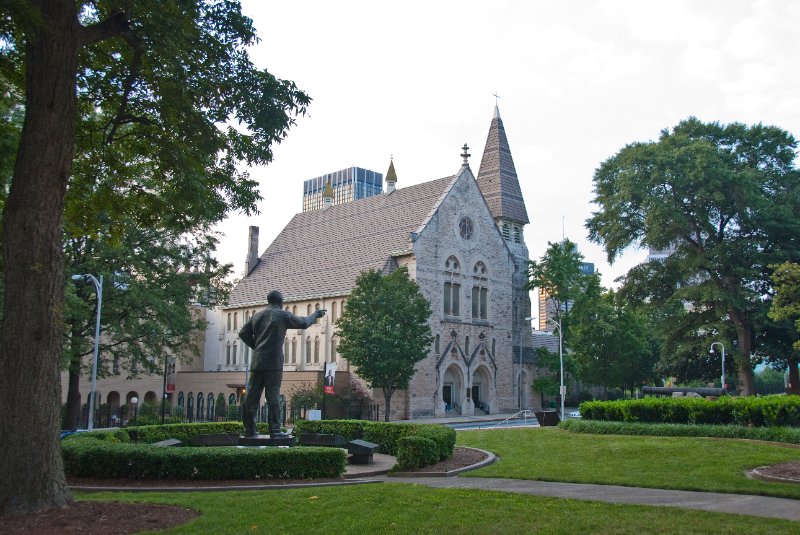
x=782, y=508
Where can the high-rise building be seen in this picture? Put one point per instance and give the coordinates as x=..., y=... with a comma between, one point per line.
x=547, y=307
x=348, y=185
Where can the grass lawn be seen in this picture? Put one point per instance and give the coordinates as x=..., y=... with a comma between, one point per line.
x=703, y=464
x=403, y=508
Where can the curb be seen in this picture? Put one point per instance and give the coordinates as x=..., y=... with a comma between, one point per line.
x=222, y=489
x=755, y=474
x=491, y=457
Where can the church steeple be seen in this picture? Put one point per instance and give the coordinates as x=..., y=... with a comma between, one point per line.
x=497, y=177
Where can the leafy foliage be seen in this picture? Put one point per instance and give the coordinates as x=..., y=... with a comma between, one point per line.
x=759, y=412
x=789, y=435
x=384, y=330
x=724, y=200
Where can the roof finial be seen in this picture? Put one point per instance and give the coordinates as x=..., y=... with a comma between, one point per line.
x=465, y=155
x=496, y=107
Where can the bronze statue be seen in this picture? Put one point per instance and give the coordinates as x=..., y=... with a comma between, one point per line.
x=264, y=333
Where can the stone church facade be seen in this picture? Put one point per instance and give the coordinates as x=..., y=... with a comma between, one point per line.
x=461, y=238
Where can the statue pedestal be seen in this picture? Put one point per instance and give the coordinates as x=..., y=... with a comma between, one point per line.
x=266, y=440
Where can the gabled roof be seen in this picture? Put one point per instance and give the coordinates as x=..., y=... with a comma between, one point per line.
x=321, y=252
x=497, y=177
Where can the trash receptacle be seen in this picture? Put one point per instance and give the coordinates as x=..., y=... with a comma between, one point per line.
x=547, y=418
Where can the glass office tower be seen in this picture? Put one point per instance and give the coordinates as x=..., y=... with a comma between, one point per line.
x=348, y=185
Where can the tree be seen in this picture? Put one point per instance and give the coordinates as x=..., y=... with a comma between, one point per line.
x=786, y=306
x=148, y=84
x=558, y=276
x=153, y=283
x=384, y=330
x=547, y=383
x=725, y=199
x=609, y=340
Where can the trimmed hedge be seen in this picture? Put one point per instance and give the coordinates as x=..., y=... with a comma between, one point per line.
x=789, y=435
x=101, y=454
x=387, y=435
x=415, y=451
x=186, y=432
x=767, y=411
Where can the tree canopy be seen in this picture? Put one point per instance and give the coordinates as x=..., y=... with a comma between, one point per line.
x=384, y=330
x=135, y=114
x=724, y=199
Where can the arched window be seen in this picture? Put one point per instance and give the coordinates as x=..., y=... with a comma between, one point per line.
x=228, y=355
x=333, y=350
x=210, y=410
x=436, y=345
x=294, y=310
x=316, y=350
x=294, y=350
x=506, y=231
x=232, y=399
x=466, y=346
x=200, y=406
x=316, y=307
x=480, y=292
x=235, y=321
x=308, y=349
x=334, y=312
x=229, y=321
x=517, y=234
x=181, y=401
x=308, y=309
x=286, y=352
x=190, y=406
x=452, y=287
x=235, y=354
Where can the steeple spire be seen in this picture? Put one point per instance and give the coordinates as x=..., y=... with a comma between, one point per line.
x=391, y=177
x=497, y=176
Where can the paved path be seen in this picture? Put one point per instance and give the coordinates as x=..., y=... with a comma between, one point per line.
x=782, y=508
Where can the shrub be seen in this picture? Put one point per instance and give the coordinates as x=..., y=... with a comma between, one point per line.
x=90, y=457
x=385, y=434
x=789, y=435
x=415, y=451
x=765, y=411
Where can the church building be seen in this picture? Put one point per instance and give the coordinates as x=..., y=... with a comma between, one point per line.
x=461, y=238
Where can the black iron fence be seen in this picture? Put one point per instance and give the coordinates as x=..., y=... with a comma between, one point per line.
x=153, y=413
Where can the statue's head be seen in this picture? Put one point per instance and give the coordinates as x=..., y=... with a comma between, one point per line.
x=275, y=298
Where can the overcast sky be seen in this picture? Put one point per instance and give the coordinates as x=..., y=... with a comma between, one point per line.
x=577, y=81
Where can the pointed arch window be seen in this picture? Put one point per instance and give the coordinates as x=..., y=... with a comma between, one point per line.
x=506, y=231
x=235, y=354
x=436, y=345
x=286, y=352
x=228, y=354
x=333, y=350
x=308, y=349
x=452, y=287
x=480, y=292
x=316, y=350
x=235, y=321
x=294, y=350
x=517, y=234
x=334, y=316
x=229, y=321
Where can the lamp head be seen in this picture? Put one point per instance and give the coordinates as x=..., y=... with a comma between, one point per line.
x=77, y=277
x=134, y=400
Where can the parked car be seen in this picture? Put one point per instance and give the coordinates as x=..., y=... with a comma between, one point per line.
x=574, y=414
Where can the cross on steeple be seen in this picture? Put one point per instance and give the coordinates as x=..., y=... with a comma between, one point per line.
x=496, y=97
x=465, y=154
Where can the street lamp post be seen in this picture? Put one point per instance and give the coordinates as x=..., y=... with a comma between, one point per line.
x=135, y=403
x=169, y=367
x=711, y=352
x=562, y=389
x=98, y=284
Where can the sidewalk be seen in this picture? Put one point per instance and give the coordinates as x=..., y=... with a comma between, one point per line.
x=762, y=506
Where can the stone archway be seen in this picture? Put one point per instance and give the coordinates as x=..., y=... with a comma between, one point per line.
x=452, y=394
x=482, y=391
x=113, y=399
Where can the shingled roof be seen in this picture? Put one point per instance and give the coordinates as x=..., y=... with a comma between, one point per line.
x=497, y=177
x=321, y=252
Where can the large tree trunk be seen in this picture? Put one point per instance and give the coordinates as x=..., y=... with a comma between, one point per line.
x=744, y=337
x=32, y=473
x=387, y=398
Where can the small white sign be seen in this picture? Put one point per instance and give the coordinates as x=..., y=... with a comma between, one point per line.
x=315, y=414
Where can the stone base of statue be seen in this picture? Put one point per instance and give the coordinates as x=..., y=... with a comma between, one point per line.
x=266, y=440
